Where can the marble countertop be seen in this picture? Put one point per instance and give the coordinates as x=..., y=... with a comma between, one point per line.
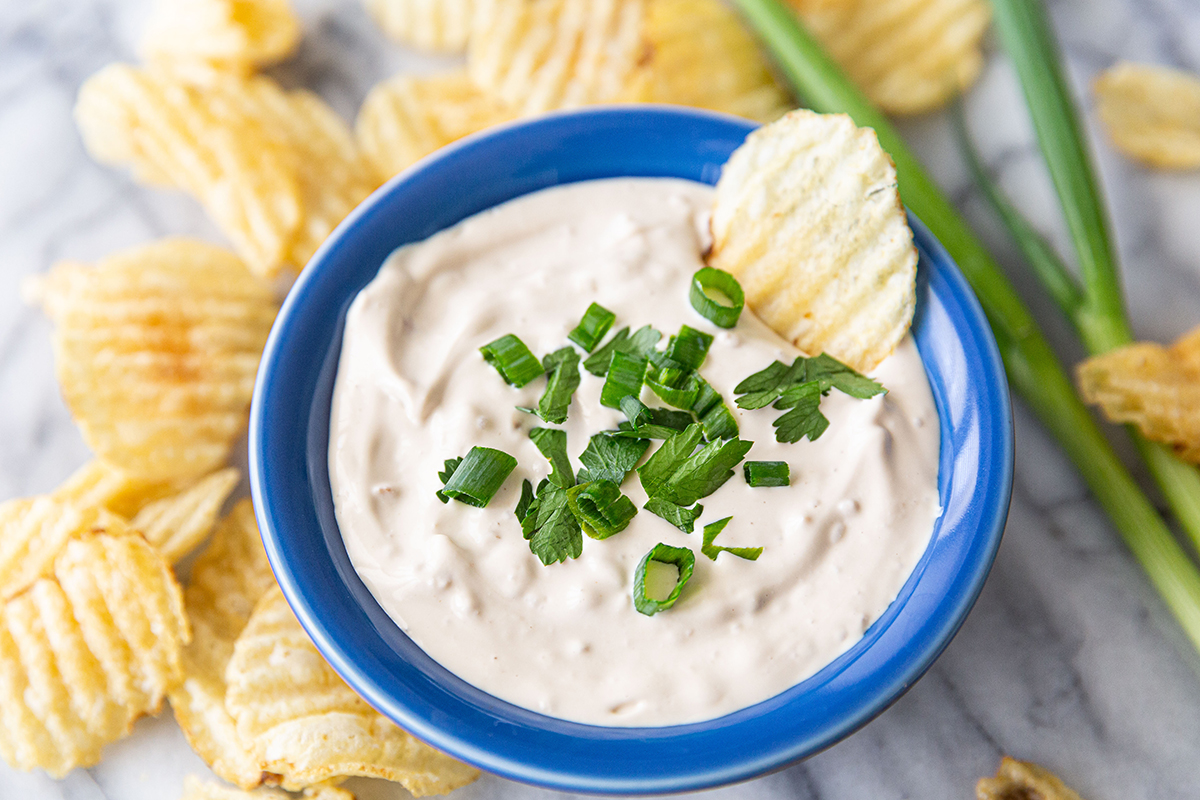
x=1069, y=658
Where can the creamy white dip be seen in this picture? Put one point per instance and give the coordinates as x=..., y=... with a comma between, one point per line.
x=413, y=390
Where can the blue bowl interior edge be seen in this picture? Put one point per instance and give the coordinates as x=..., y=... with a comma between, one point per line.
x=290, y=485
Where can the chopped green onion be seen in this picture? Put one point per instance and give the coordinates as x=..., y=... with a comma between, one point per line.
x=597, y=363
x=711, y=279
x=478, y=476
x=642, y=342
x=610, y=457
x=448, y=467
x=563, y=368
x=681, y=558
x=767, y=473
x=635, y=411
x=677, y=515
x=512, y=360
x=712, y=551
x=591, y=329
x=552, y=442
x=624, y=379
x=689, y=347
x=675, y=383
x=719, y=423
x=600, y=507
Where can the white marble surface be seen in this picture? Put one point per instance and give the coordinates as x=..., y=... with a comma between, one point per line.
x=1069, y=657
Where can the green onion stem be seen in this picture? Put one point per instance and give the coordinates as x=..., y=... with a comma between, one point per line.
x=1033, y=369
x=1100, y=319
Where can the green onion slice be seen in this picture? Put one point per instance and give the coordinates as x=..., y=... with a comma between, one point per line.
x=552, y=442
x=512, y=360
x=591, y=329
x=681, y=558
x=711, y=279
x=479, y=476
x=636, y=412
x=712, y=550
x=719, y=423
x=677, y=384
x=597, y=363
x=677, y=515
x=767, y=473
x=563, y=368
x=600, y=507
x=689, y=347
x=624, y=379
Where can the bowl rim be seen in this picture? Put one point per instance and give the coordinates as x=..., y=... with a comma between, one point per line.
x=272, y=494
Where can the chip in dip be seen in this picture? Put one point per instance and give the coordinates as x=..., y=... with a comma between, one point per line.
x=412, y=390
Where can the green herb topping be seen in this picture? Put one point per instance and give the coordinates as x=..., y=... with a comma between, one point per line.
x=624, y=379
x=677, y=515
x=600, y=508
x=610, y=458
x=681, y=558
x=448, y=467
x=563, y=368
x=689, y=347
x=677, y=384
x=591, y=329
x=476, y=477
x=800, y=388
x=767, y=473
x=712, y=551
x=677, y=475
x=552, y=442
x=712, y=280
x=512, y=360
x=549, y=525
x=639, y=344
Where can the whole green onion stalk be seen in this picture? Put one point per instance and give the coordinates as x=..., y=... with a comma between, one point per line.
x=1096, y=309
x=1033, y=369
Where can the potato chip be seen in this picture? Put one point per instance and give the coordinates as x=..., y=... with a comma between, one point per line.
x=307, y=726
x=909, y=56
x=808, y=218
x=429, y=24
x=100, y=485
x=33, y=531
x=227, y=580
x=1023, y=780
x=1153, y=387
x=1152, y=113
x=333, y=174
x=196, y=789
x=540, y=55
x=199, y=39
x=406, y=118
x=176, y=524
x=199, y=140
x=700, y=54
x=156, y=349
x=86, y=652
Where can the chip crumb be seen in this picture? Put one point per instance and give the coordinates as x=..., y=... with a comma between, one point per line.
x=1023, y=780
x=1151, y=113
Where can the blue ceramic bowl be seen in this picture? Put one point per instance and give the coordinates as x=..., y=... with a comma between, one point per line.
x=288, y=471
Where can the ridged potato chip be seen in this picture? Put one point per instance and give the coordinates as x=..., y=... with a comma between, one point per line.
x=1022, y=780
x=176, y=524
x=199, y=39
x=86, y=652
x=227, y=580
x=199, y=140
x=909, y=56
x=1151, y=113
x=700, y=54
x=1153, y=387
x=808, y=218
x=156, y=349
x=35, y=530
x=407, y=117
x=540, y=55
x=429, y=24
x=196, y=789
x=307, y=726
x=100, y=485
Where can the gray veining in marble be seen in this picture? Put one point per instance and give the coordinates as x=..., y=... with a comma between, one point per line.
x=1069, y=657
